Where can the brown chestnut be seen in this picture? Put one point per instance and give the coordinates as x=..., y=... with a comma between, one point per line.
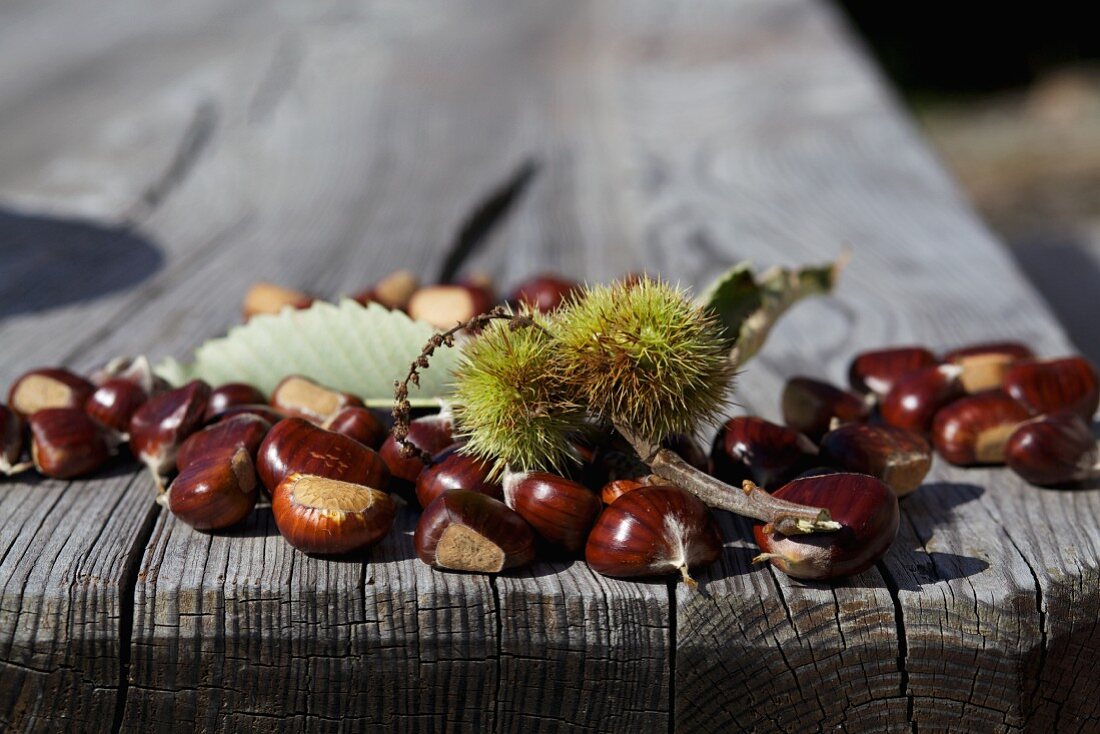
x=231, y=394
x=453, y=470
x=1047, y=386
x=163, y=422
x=214, y=490
x=268, y=298
x=983, y=365
x=561, y=512
x=653, y=531
x=225, y=437
x=358, y=423
x=1053, y=450
x=896, y=456
x=446, y=306
x=469, y=531
x=12, y=429
x=48, y=387
x=323, y=515
x=303, y=398
x=66, y=443
x=973, y=430
x=431, y=433
x=393, y=291
x=867, y=511
x=616, y=488
x=811, y=406
x=269, y=414
x=543, y=292
x=296, y=446
x=114, y=403
x=769, y=454
x=914, y=400
x=877, y=371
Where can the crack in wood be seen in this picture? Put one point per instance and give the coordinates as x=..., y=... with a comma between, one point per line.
x=903, y=643
x=672, y=656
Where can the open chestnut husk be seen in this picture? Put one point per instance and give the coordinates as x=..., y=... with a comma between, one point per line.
x=431, y=434
x=973, y=430
x=560, y=511
x=48, y=387
x=12, y=429
x=653, y=531
x=468, y=531
x=983, y=366
x=877, y=371
x=114, y=403
x=748, y=447
x=896, y=456
x=359, y=423
x=453, y=470
x=322, y=515
x=296, y=446
x=214, y=491
x=1053, y=450
x=811, y=406
x=225, y=437
x=1048, y=386
x=301, y=397
x=66, y=443
x=223, y=397
x=866, y=509
x=163, y=422
x=914, y=400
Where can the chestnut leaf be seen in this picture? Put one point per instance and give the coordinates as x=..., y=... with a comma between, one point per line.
x=346, y=346
x=748, y=305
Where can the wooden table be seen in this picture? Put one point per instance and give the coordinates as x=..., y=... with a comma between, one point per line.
x=155, y=161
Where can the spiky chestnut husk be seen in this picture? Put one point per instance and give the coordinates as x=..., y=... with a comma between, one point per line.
x=643, y=355
x=511, y=403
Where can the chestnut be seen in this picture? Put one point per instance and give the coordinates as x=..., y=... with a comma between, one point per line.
x=162, y=423
x=653, y=531
x=446, y=306
x=393, y=291
x=303, y=398
x=1047, y=386
x=12, y=429
x=48, y=387
x=866, y=509
x=225, y=437
x=269, y=414
x=66, y=443
x=983, y=365
x=453, y=470
x=329, y=516
x=231, y=394
x=560, y=511
x=877, y=371
x=914, y=400
x=1053, y=450
x=268, y=298
x=468, y=531
x=543, y=292
x=973, y=430
x=296, y=446
x=114, y=403
x=358, y=423
x=214, y=490
x=748, y=447
x=810, y=406
x=616, y=488
x=431, y=433
x=896, y=456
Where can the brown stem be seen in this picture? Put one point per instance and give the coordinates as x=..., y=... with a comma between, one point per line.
x=788, y=518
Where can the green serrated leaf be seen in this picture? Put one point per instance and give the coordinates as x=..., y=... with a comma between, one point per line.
x=749, y=306
x=346, y=346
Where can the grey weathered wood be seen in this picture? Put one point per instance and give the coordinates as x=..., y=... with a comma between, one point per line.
x=322, y=147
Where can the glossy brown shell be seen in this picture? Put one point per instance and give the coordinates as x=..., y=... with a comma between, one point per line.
x=453, y=470
x=1053, y=450
x=768, y=454
x=294, y=445
x=877, y=371
x=1047, y=386
x=560, y=511
x=483, y=515
x=164, y=421
x=225, y=437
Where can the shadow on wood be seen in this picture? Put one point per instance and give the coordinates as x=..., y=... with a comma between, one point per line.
x=46, y=262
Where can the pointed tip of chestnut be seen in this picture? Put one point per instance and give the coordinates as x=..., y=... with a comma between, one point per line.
x=214, y=491
x=468, y=531
x=328, y=516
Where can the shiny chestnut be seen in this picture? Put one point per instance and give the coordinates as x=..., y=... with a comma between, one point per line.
x=431, y=433
x=896, y=456
x=229, y=395
x=768, y=454
x=114, y=403
x=1053, y=450
x=48, y=387
x=358, y=423
x=164, y=421
x=616, y=488
x=560, y=511
x=215, y=490
x=446, y=306
x=983, y=366
x=225, y=437
x=1048, y=386
x=269, y=414
x=877, y=371
x=866, y=509
x=469, y=531
x=914, y=400
x=812, y=406
x=328, y=516
x=296, y=446
x=653, y=531
x=543, y=292
x=451, y=469
x=303, y=398
x=973, y=430
x=66, y=443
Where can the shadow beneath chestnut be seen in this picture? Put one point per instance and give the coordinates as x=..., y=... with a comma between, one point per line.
x=46, y=262
x=934, y=501
x=734, y=561
x=260, y=523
